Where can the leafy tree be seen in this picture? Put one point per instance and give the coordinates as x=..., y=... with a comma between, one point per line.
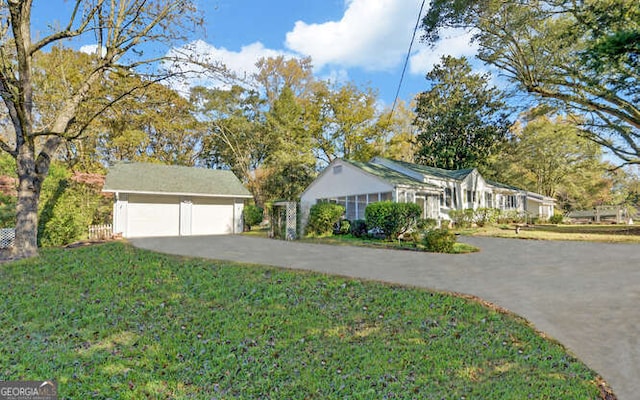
x=120, y=28
x=582, y=55
x=291, y=163
x=399, y=132
x=236, y=137
x=346, y=122
x=153, y=124
x=277, y=73
x=548, y=155
x=461, y=119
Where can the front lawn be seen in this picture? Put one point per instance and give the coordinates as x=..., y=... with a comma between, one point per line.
x=595, y=233
x=111, y=321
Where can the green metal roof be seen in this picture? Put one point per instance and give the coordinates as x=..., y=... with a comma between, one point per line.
x=503, y=186
x=389, y=175
x=436, y=172
x=173, y=179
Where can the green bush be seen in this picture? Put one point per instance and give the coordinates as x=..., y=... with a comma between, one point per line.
x=439, y=240
x=67, y=208
x=392, y=219
x=511, y=216
x=344, y=227
x=322, y=219
x=252, y=216
x=462, y=218
x=486, y=216
x=359, y=228
x=7, y=211
x=424, y=224
x=556, y=219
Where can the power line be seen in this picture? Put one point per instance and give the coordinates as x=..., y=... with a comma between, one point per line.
x=406, y=61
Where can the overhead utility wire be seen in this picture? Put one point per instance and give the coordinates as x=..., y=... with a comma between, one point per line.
x=406, y=61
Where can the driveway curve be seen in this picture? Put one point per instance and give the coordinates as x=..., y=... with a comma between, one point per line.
x=585, y=295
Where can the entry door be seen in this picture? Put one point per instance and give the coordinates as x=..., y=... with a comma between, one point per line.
x=185, y=218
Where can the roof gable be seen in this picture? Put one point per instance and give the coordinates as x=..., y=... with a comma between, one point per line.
x=173, y=179
x=457, y=175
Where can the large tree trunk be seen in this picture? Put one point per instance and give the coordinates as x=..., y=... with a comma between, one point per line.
x=30, y=177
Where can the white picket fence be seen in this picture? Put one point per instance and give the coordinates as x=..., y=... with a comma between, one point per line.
x=7, y=236
x=96, y=232
x=100, y=232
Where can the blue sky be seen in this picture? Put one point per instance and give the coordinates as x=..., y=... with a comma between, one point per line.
x=363, y=41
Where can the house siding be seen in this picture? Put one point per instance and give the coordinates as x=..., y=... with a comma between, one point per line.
x=437, y=191
x=348, y=186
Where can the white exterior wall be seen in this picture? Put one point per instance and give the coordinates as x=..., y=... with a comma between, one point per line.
x=540, y=209
x=350, y=181
x=148, y=215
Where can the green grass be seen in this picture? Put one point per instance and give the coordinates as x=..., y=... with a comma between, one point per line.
x=594, y=233
x=350, y=240
x=111, y=321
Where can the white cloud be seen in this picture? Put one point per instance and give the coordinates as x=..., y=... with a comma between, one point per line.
x=91, y=49
x=372, y=34
x=241, y=63
x=338, y=76
x=456, y=43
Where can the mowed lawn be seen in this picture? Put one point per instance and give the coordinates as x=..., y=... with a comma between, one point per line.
x=111, y=321
x=593, y=233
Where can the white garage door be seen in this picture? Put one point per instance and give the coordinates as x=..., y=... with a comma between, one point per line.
x=211, y=216
x=149, y=215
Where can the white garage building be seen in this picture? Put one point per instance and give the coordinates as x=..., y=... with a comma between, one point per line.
x=161, y=200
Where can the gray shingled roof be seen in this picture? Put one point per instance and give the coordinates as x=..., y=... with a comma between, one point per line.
x=389, y=175
x=172, y=179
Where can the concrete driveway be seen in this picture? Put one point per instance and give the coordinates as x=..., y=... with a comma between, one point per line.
x=586, y=295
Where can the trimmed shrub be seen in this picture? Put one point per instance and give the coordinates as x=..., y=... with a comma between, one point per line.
x=556, y=219
x=462, y=218
x=511, y=216
x=359, y=228
x=344, y=227
x=486, y=216
x=322, y=219
x=252, y=216
x=393, y=219
x=424, y=224
x=439, y=240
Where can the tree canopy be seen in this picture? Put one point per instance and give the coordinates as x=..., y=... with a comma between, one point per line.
x=119, y=29
x=582, y=55
x=547, y=154
x=461, y=119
